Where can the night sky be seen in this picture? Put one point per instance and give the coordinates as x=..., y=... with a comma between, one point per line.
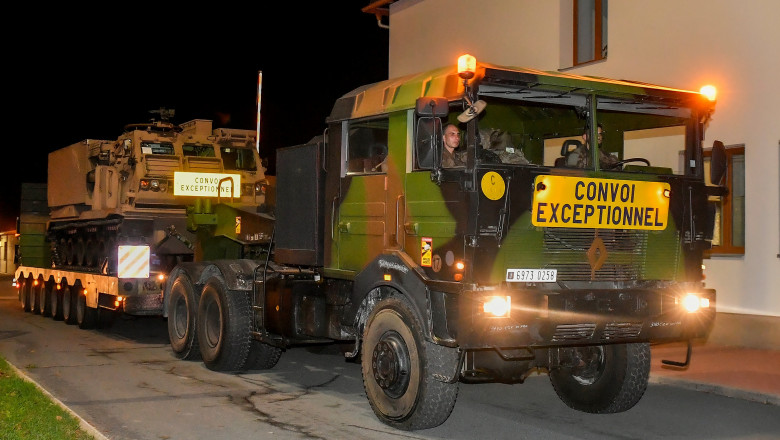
x=75, y=79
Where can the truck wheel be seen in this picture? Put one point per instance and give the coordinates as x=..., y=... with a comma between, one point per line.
x=262, y=356
x=602, y=379
x=68, y=305
x=223, y=326
x=56, y=304
x=85, y=316
x=182, y=314
x=397, y=363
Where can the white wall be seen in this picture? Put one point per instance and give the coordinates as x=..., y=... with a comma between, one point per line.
x=685, y=44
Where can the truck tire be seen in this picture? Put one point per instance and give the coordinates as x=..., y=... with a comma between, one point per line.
x=86, y=316
x=608, y=378
x=397, y=363
x=262, y=356
x=56, y=304
x=223, y=326
x=182, y=318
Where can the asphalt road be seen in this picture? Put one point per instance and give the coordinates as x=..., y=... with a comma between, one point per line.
x=126, y=383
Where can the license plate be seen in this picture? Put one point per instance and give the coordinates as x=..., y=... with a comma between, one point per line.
x=531, y=275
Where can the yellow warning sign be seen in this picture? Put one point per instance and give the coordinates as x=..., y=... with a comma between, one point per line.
x=493, y=185
x=206, y=184
x=426, y=251
x=579, y=202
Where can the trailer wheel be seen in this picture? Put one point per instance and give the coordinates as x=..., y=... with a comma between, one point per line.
x=397, y=364
x=46, y=299
x=223, y=326
x=602, y=379
x=86, y=316
x=69, y=304
x=56, y=304
x=182, y=316
x=262, y=356
x=37, y=300
x=27, y=294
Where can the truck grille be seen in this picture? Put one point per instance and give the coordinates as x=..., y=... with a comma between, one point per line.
x=566, y=249
x=161, y=166
x=572, y=332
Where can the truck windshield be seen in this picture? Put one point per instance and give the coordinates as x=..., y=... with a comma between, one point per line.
x=240, y=159
x=198, y=150
x=157, y=148
x=551, y=131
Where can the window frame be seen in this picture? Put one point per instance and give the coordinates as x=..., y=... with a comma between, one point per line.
x=598, y=43
x=727, y=246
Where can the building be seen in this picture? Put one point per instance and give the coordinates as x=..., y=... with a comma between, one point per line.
x=681, y=44
x=8, y=244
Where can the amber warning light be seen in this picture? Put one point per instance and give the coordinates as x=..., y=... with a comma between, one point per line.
x=467, y=66
x=709, y=92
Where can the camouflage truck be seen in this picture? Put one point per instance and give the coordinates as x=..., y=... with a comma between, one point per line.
x=121, y=214
x=519, y=261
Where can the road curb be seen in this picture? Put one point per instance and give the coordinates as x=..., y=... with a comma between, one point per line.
x=83, y=424
x=754, y=396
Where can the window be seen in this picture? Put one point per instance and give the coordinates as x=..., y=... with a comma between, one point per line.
x=729, y=235
x=157, y=148
x=198, y=150
x=242, y=159
x=367, y=146
x=590, y=30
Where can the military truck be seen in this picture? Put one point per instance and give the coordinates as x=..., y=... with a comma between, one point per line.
x=520, y=261
x=119, y=215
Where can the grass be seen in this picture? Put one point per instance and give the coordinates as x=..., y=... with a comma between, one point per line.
x=27, y=413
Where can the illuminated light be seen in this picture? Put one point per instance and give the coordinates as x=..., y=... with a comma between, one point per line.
x=120, y=298
x=35, y=282
x=116, y=303
x=709, y=92
x=144, y=184
x=498, y=306
x=388, y=277
x=161, y=276
x=460, y=265
x=667, y=193
x=58, y=286
x=467, y=66
x=704, y=303
x=84, y=291
x=691, y=303
x=458, y=277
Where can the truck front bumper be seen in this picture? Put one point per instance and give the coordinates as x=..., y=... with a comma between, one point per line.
x=536, y=319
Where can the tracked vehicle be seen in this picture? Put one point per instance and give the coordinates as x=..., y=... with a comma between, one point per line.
x=118, y=220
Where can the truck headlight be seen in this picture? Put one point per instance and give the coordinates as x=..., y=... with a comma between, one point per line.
x=497, y=306
x=693, y=302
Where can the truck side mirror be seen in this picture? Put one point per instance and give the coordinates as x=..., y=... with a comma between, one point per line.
x=432, y=106
x=427, y=142
x=428, y=131
x=718, y=163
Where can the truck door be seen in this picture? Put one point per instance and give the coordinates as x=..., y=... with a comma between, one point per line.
x=362, y=218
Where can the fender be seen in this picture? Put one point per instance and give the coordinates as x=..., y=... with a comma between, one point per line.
x=409, y=281
x=238, y=275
